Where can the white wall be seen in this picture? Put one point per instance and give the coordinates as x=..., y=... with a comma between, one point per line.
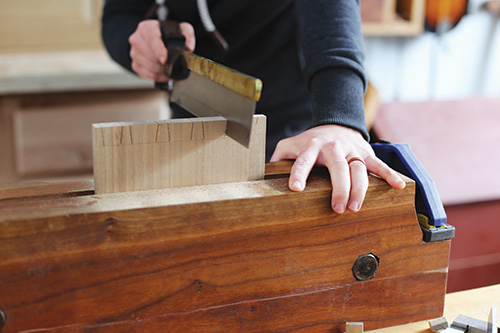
x=460, y=63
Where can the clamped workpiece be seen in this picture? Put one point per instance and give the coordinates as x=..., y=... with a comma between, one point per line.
x=248, y=256
x=430, y=210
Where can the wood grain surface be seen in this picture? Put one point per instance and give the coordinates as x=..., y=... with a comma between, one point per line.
x=7, y=165
x=474, y=303
x=52, y=133
x=172, y=153
x=44, y=189
x=240, y=257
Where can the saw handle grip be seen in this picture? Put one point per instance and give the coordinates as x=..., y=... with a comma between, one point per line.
x=400, y=157
x=174, y=40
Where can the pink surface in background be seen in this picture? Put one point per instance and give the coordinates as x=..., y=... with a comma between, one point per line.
x=457, y=142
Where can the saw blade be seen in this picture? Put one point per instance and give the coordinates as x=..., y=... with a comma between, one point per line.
x=205, y=98
x=211, y=89
x=230, y=78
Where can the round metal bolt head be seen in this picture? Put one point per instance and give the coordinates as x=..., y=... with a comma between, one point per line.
x=365, y=267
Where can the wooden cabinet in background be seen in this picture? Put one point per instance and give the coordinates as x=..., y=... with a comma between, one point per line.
x=61, y=25
x=392, y=17
x=48, y=102
x=49, y=25
x=52, y=132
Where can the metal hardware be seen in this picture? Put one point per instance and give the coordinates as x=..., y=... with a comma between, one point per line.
x=365, y=267
x=3, y=319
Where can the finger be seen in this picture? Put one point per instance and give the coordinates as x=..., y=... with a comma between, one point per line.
x=139, y=60
x=340, y=177
x=379, y=168
x=144, y=61
x=282, y=151
x=188, y=31
x=147, y=73
x=140, y=50
x=359, y=185
x=147, y=39
x=302, y=167
x=157, y=47
x=146, y=66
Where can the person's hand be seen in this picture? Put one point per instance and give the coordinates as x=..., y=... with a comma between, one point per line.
x=149, y=54
x=347, y=156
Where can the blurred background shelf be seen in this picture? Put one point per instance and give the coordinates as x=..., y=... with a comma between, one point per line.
x=55, y=81
x=58, y=25
x=392, y=17
x=49, y=25
x=48, y=102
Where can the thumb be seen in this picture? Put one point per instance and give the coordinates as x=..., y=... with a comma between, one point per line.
x=188, y=31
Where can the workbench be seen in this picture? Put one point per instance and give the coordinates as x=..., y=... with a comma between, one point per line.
x=245, y=256
x=475, y=303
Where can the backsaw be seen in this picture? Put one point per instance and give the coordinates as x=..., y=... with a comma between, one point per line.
x=207, y=88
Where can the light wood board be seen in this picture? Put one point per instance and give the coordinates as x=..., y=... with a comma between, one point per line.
x=174, y=153
x=474, y=303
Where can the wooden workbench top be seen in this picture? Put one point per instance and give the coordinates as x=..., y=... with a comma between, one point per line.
x=276, y=260
x=475, y=303
x=63, y=71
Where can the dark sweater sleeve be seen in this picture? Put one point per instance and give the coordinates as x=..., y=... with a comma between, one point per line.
x=119, y=20
x=332, y=43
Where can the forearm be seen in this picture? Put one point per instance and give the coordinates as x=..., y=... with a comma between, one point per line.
x=331, y=39
x=119, y=20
